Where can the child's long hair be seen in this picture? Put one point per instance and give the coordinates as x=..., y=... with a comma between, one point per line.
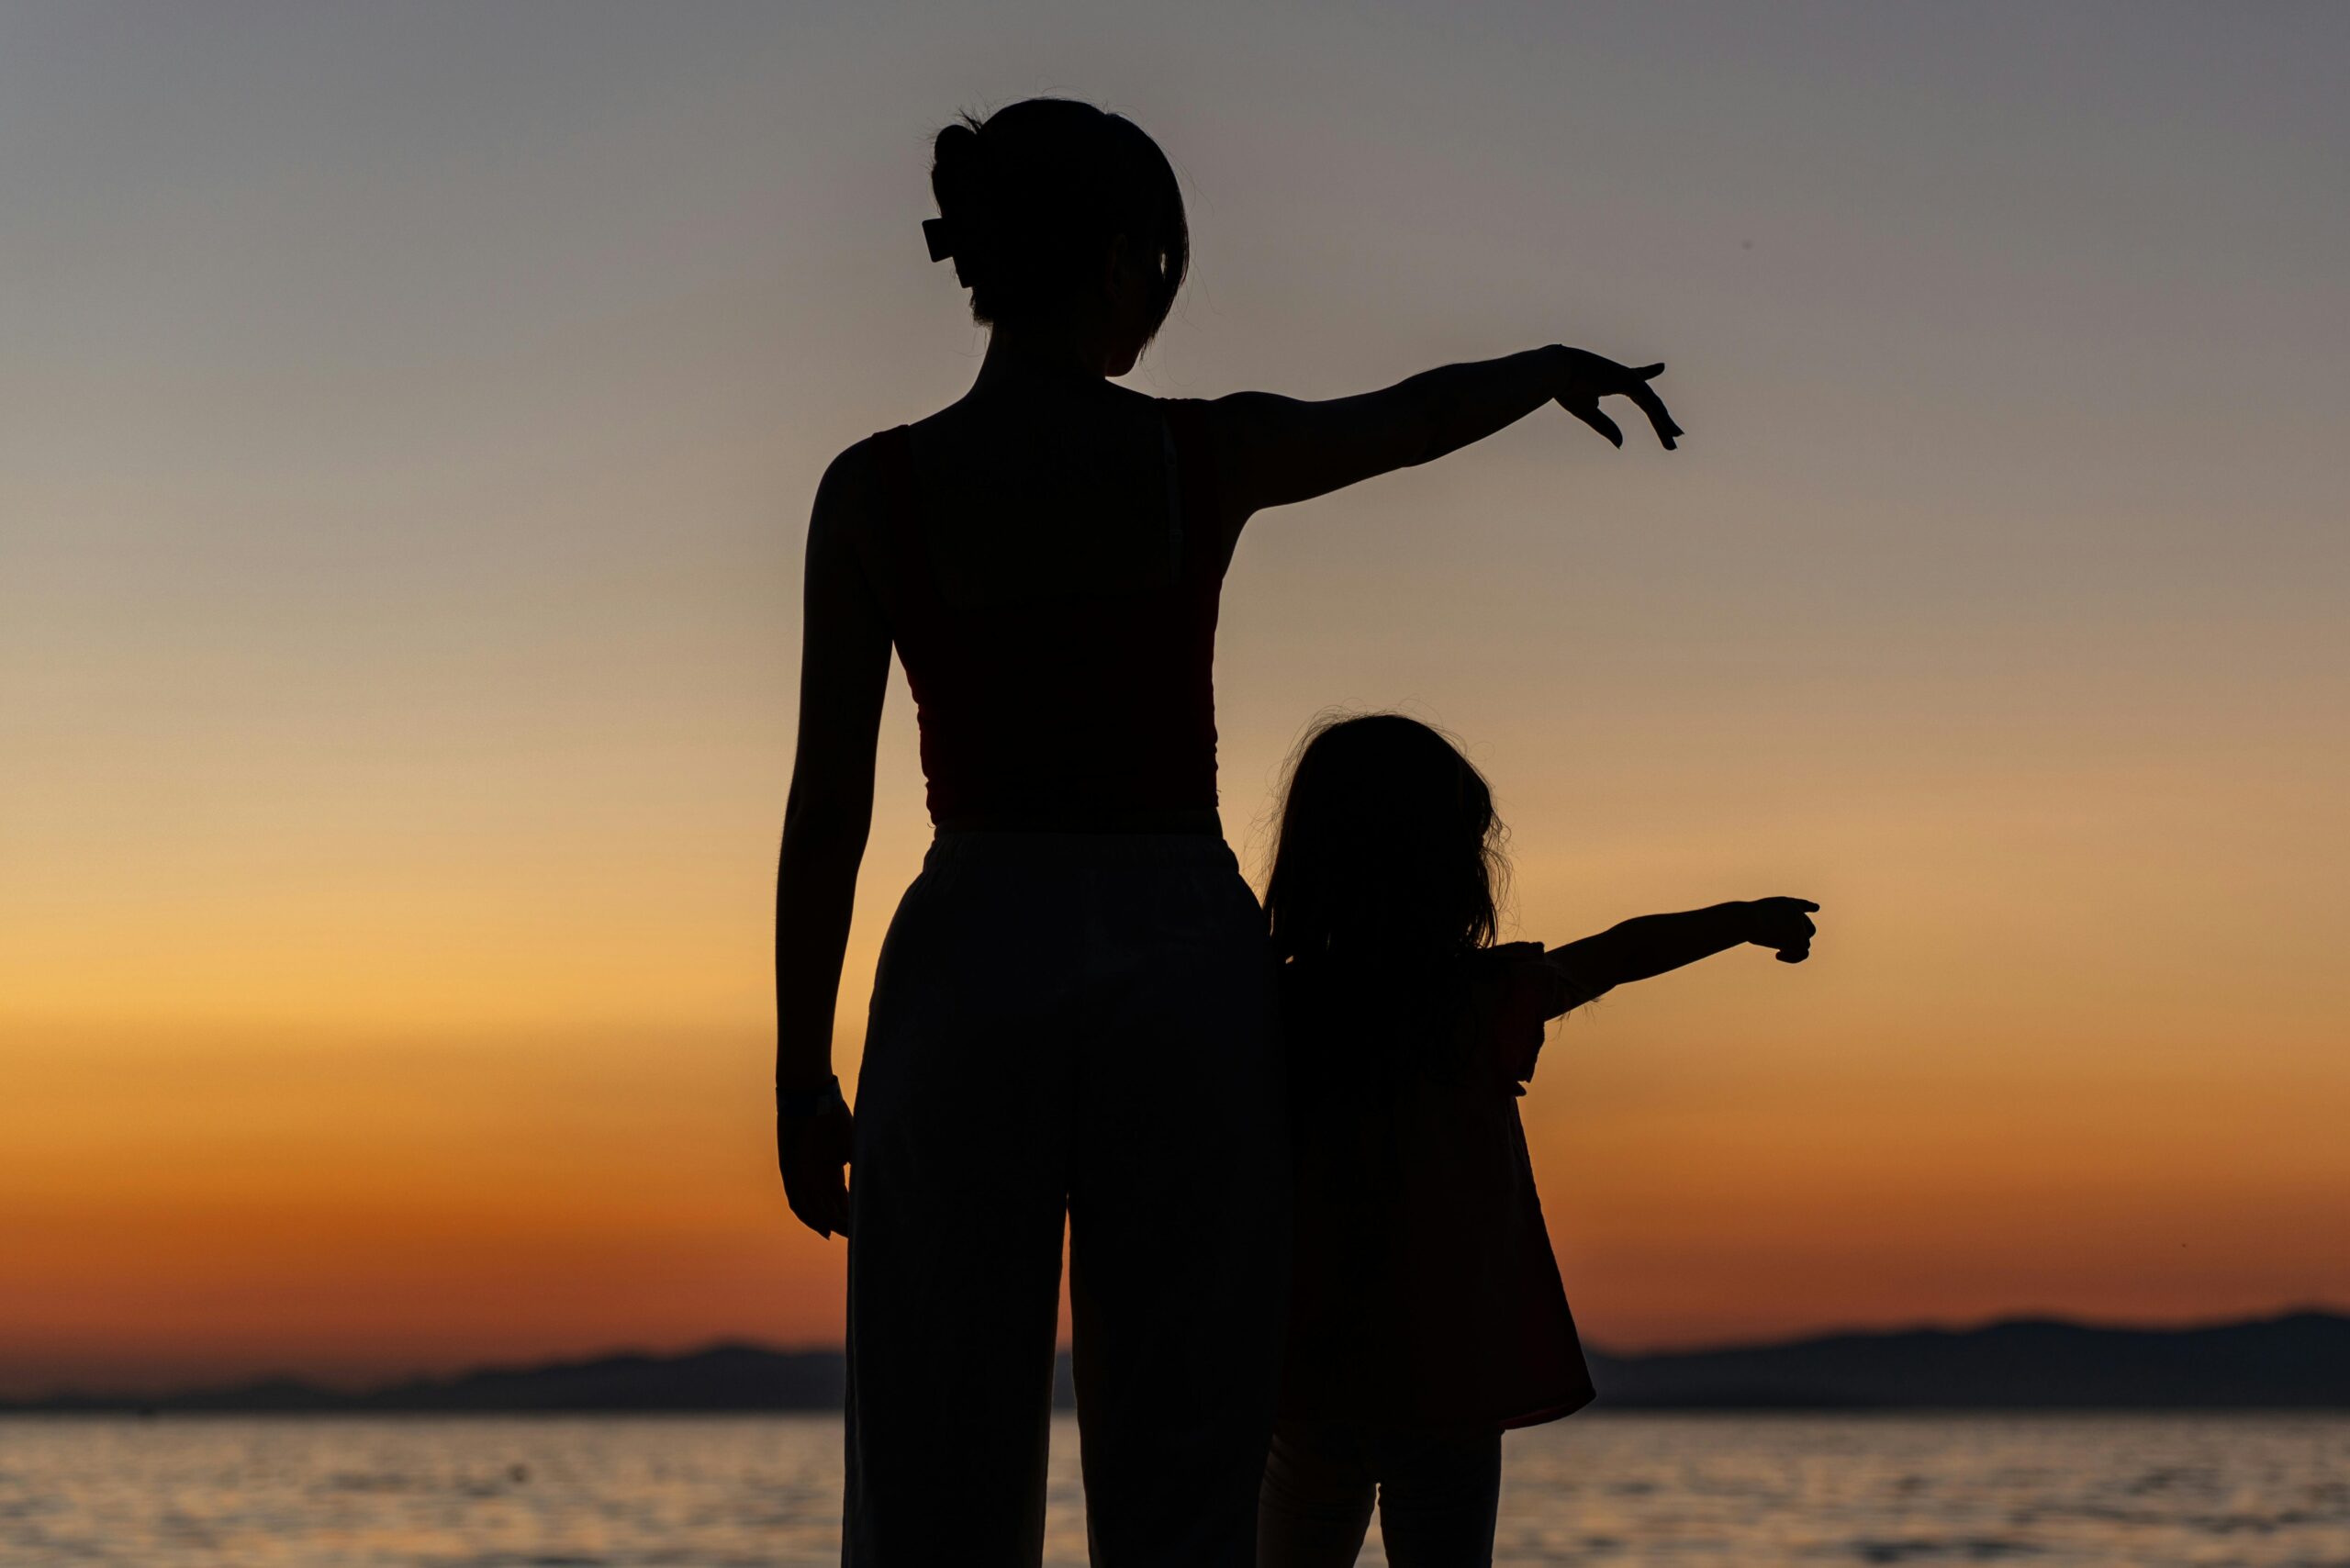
x=1389, y=849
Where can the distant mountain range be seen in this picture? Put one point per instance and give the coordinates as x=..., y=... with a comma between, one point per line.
x=2298, y=1362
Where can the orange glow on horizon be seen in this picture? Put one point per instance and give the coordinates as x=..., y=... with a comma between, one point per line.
x=408, y=429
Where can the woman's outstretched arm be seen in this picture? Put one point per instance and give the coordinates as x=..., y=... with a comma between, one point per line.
x=1272, y=449
x=1654, y=944
x=843, y=672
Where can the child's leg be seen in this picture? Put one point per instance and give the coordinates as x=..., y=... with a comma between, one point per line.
x=1437, y=1498
x=1314, y=1507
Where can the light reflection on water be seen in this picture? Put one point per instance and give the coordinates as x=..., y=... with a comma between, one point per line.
x=2225, y=1492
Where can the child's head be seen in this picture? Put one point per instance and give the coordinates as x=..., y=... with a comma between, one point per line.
x=1389, y=844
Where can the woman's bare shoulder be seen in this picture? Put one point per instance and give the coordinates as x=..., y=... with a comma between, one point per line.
x=850, y=492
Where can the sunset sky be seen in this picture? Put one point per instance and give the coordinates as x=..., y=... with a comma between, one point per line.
x=408, y=421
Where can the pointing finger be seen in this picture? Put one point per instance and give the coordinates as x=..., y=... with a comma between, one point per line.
x=1667, y=431
x=1589, y=414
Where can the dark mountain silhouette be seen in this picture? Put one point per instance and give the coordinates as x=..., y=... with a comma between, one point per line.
x=2301, y=1361
x=722, y=1378
x=2298, y=1362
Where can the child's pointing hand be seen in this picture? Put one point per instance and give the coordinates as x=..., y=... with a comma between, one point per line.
x=1784, y=925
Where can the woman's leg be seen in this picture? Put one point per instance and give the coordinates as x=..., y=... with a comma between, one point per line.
x=1179, y=1216
x=957, y=1203
x=1438, y=1495
x=1315, y=1507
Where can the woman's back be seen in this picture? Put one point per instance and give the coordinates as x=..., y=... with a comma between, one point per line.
x=1048, y=559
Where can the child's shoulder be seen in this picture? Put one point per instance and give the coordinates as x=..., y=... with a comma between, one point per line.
x=1512, y=968
x=1515, y=995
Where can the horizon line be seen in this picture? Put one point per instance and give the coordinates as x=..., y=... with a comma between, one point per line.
x=281, y=1376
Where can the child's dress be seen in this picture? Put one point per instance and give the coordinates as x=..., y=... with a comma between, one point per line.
x=1426, y=1296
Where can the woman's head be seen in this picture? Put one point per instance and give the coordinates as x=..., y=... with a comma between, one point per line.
x=1388, y=846
x=1059, y=214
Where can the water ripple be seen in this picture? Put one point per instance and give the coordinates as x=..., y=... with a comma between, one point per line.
x=1758, y=1491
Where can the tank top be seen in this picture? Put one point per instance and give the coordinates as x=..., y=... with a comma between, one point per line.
x=1084, y=701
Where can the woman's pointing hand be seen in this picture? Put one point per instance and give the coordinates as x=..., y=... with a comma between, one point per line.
x=1588, y=378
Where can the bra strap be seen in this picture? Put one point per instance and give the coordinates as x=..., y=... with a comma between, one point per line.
x=1197, y=489
x=909, y=559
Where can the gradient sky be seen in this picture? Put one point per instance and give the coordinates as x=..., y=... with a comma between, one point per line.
x=407, y=420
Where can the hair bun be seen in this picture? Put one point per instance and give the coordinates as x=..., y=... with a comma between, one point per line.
x=958, y=180
x=955, y=159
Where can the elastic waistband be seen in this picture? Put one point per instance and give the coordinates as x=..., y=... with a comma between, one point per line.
x=1007, y=847
x=1199, y=821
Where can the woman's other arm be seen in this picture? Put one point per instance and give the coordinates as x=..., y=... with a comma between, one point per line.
x=843, y=672
x=1271, y=451
x=1653, y=944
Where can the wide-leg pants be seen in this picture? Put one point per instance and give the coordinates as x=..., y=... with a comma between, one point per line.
x=1078, y=1024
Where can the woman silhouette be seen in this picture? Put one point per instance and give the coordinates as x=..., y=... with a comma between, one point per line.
x=1072, y=1013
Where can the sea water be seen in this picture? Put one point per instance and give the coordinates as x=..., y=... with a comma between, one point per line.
x=690, y=1492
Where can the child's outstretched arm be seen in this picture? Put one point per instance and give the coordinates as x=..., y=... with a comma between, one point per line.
x=1271, y=451
x=1653, y=944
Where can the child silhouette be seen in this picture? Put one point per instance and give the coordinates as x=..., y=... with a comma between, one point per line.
x=1426, y=1313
